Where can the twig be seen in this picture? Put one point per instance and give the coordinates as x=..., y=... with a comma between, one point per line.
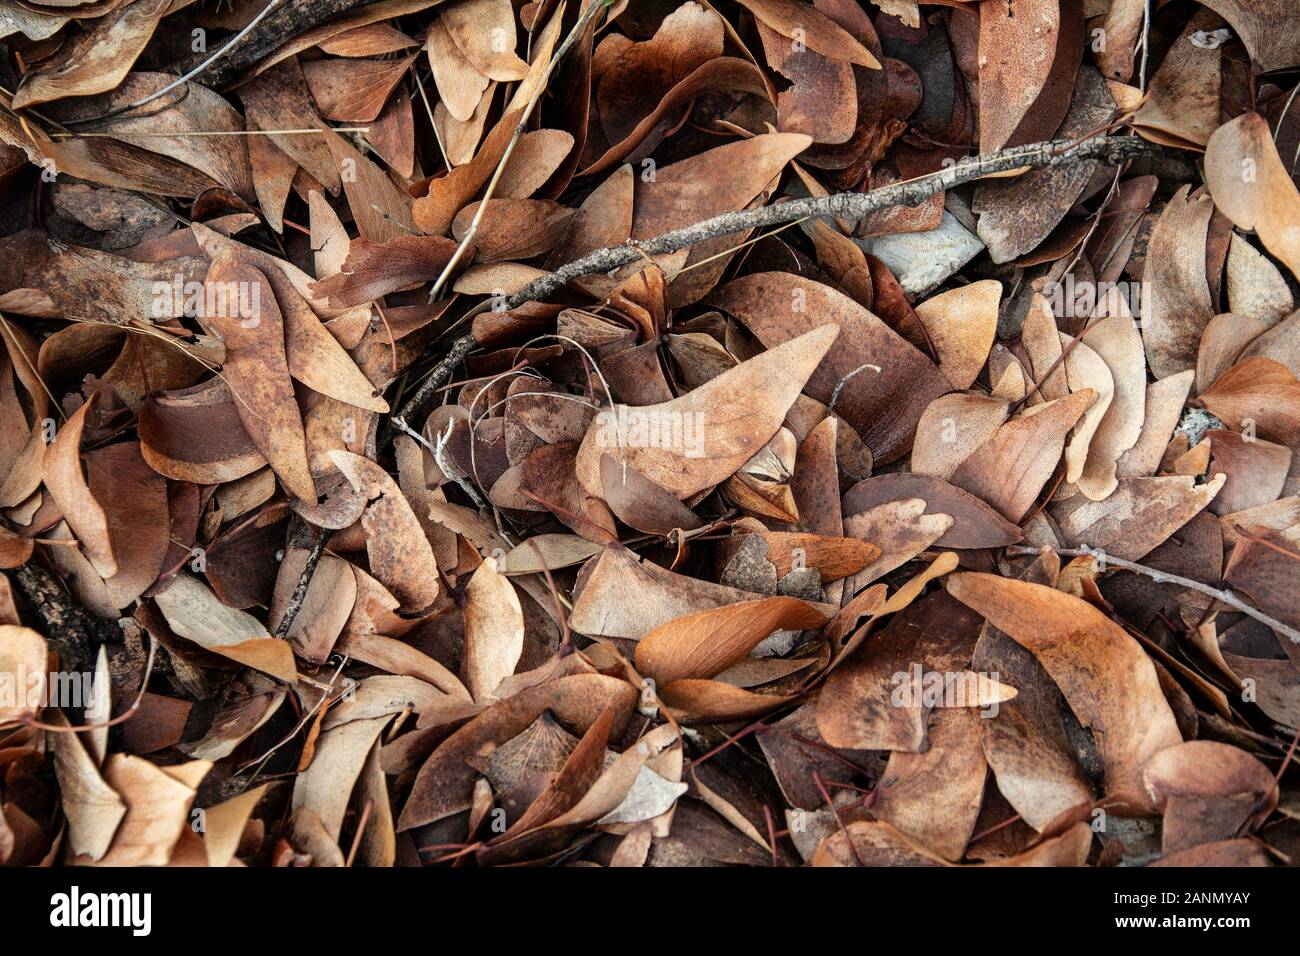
x=306, y=718
x=361, y=831
x=113, y=722
x=1146, y=45
x=128, y=134
x=186, y=76
x=848, y=206
x=771, y=833
x=1223, y=596
x=578, y=30
x=839, y=821
x=304, y=582
x=294, y=18
x=440, y=375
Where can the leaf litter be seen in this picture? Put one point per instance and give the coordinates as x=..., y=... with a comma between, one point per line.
x=768, y=433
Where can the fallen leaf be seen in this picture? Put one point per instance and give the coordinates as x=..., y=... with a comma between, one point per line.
x=1103, y=673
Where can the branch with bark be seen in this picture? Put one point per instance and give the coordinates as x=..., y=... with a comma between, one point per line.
x=70, y=626
x=847, y=206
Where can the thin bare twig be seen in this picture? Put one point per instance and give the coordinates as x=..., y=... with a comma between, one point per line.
x=128, y=134
x=185, y=77
x=578, y=30
x=847, y=206
x=1223, y=596
x=121, y=718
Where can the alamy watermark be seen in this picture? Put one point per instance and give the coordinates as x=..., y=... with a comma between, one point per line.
x=625, y=427
x=1070, y=299
x=33, y=690
x=238, y=300
x=917, y=687
x=133, y=911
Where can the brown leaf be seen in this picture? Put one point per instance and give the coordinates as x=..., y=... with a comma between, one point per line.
x=66, y=483
x=1208, y=791
x=353, y=91
x=724, y=74
x=706, y=643
x=93, y=808
x=632, y=85
x=1223, y=853
x=1023, y=97
x=96, y=60
x=400, y=555
x=640, y=503
x=1115, y=339
x=705, y=435
x=158, y=801
x=901, y=529
x=23, y=654
x=1108, y=681
x=1164, y=407
x=194, y=613
x=1017, y=216
x=325, y=609
x=326, y=784
x=694, y=701
x=1261, y=392
x=445, y=782
x=1256, y=471
x=974, y=524
x=433, y=213
x=195, y=109
x=256, y=369
x=872, y=701
x=818, y=31
x=494, y=631
x=822, y=99
x=382, y=211
x=619, y=595
x=136, y=507
x=1182, y=104
x=952, y=427
x=874, y=844
x=1140, y=515
x=484, y=32
x=961, y=323
x=1251, y=186
x=1270, y=29
x=1177, y=304
x=372, y=270
x=881, y=384
x=512, y=228
x=1025, y=741
x=935, y=797
x=196, y=435
x=1009, y=470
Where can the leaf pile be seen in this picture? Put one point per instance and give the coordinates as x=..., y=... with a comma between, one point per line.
x=962, y=533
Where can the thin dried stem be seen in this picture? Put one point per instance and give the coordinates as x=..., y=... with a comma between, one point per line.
x=304, y=582
x=848, y=206
x=185, y=77
x=127, y=135
x=578, y=30
x=1222, y=595
x=113, y=722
